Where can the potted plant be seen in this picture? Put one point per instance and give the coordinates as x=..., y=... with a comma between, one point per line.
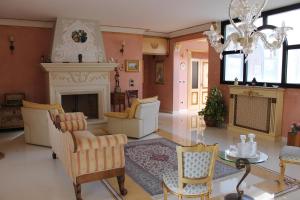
x=214, y=111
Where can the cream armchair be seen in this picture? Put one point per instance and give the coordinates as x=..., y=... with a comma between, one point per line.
x=87, y=157
x=37, y=126
x=140, y=120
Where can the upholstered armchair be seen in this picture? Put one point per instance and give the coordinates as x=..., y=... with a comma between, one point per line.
x=138, y=121
x=195, y=172
x=87, y=157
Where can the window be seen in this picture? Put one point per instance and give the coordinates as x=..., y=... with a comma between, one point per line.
x=264, y=65
x=234, y=66
x=281, y=67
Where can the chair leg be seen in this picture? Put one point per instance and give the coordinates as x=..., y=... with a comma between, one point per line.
x=179, y=197
x=282, y=171
x=165, y=192
x=77, y=188
x=54, y=155
x=121, y=183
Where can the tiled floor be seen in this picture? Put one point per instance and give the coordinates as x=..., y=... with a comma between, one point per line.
x=28, y=172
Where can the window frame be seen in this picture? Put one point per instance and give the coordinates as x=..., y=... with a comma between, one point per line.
x=285, y=50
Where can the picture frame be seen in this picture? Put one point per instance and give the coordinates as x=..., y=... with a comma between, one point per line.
x=159, y=72
x=132, y=65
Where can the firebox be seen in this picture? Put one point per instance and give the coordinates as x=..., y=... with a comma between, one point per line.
x=86, y=103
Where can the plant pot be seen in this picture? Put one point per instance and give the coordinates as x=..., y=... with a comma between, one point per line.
x=210, y=122
x=293, y=139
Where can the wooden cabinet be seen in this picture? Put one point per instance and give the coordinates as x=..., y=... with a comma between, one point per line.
x=155, y=46
x=256, y=110
x=11, y=117
x=117, y=99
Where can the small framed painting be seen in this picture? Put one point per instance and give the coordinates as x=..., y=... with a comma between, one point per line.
x=159, y=73
x=132, y=65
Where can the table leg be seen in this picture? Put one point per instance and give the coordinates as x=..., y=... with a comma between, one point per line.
x=240, y=164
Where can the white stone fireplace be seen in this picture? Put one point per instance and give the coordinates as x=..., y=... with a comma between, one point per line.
x=81, y=78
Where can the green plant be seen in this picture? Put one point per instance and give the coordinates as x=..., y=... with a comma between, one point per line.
x=215, y=108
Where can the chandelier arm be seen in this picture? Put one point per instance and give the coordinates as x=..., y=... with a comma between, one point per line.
x=231, y=20
x=260, y=10
x=274, y=45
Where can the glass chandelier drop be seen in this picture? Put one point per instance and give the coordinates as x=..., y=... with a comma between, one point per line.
x=246, y=34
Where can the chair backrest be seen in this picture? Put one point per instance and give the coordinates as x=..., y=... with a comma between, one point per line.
x=196, y=164
x=130, y=95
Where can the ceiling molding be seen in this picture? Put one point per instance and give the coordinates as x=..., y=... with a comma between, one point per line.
x=28, y=23
x=191, y=30
x=107, y=28
x=118, y=29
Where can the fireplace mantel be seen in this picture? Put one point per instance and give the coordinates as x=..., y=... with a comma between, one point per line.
x=79, y=67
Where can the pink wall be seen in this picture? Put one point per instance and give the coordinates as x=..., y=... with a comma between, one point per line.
x=150, y=87
x=21, y=71
x=133, y=51
x=23, y=67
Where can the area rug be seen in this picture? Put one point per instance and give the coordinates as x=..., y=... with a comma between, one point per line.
x=148, y=160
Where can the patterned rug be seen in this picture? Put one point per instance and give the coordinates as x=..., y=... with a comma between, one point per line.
x=148, y=160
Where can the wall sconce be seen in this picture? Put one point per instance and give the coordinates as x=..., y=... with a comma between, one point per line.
x=122, y=47
x=11, y=43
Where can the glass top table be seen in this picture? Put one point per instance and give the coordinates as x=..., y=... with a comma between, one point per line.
x=262, y=157
x=241, y=163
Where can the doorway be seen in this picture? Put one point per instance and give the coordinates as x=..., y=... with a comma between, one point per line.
x=197, y=84
x=190, y=75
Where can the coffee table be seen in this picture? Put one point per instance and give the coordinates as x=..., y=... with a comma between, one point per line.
x=241, y=163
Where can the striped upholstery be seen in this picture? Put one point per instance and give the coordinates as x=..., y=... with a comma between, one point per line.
x=71, y=122
x=83, y=153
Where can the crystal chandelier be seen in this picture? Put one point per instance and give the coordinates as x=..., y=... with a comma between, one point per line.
x=246, y=34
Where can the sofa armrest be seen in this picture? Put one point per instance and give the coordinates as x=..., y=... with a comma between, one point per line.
x=87, y=141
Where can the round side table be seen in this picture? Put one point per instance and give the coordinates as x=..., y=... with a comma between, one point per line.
x=241, y=163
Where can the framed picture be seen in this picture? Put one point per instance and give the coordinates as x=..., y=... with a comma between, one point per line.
x=159, y=72
x=132, y=65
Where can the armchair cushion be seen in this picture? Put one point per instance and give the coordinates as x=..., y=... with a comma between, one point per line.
x=290, y=153
x=133, y=108
x=28, y=104
x=120, y=115
x=87, y=141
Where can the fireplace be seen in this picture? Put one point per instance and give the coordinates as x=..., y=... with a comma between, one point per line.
x=86, y=103
x=83, y=87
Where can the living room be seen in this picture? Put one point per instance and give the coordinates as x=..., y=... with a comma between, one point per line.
x=115, y=100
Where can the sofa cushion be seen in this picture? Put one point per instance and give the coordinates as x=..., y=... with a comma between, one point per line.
x=28, y=104
x=85, y=140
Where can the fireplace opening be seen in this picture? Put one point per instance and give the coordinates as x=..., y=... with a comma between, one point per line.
x=86, y=103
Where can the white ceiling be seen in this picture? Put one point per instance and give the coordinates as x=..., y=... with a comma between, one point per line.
x=153, y=15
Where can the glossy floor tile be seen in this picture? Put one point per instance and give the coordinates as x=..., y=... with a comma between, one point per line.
x=28, y=172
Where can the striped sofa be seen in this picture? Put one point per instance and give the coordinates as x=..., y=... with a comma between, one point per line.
x=87, y=157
